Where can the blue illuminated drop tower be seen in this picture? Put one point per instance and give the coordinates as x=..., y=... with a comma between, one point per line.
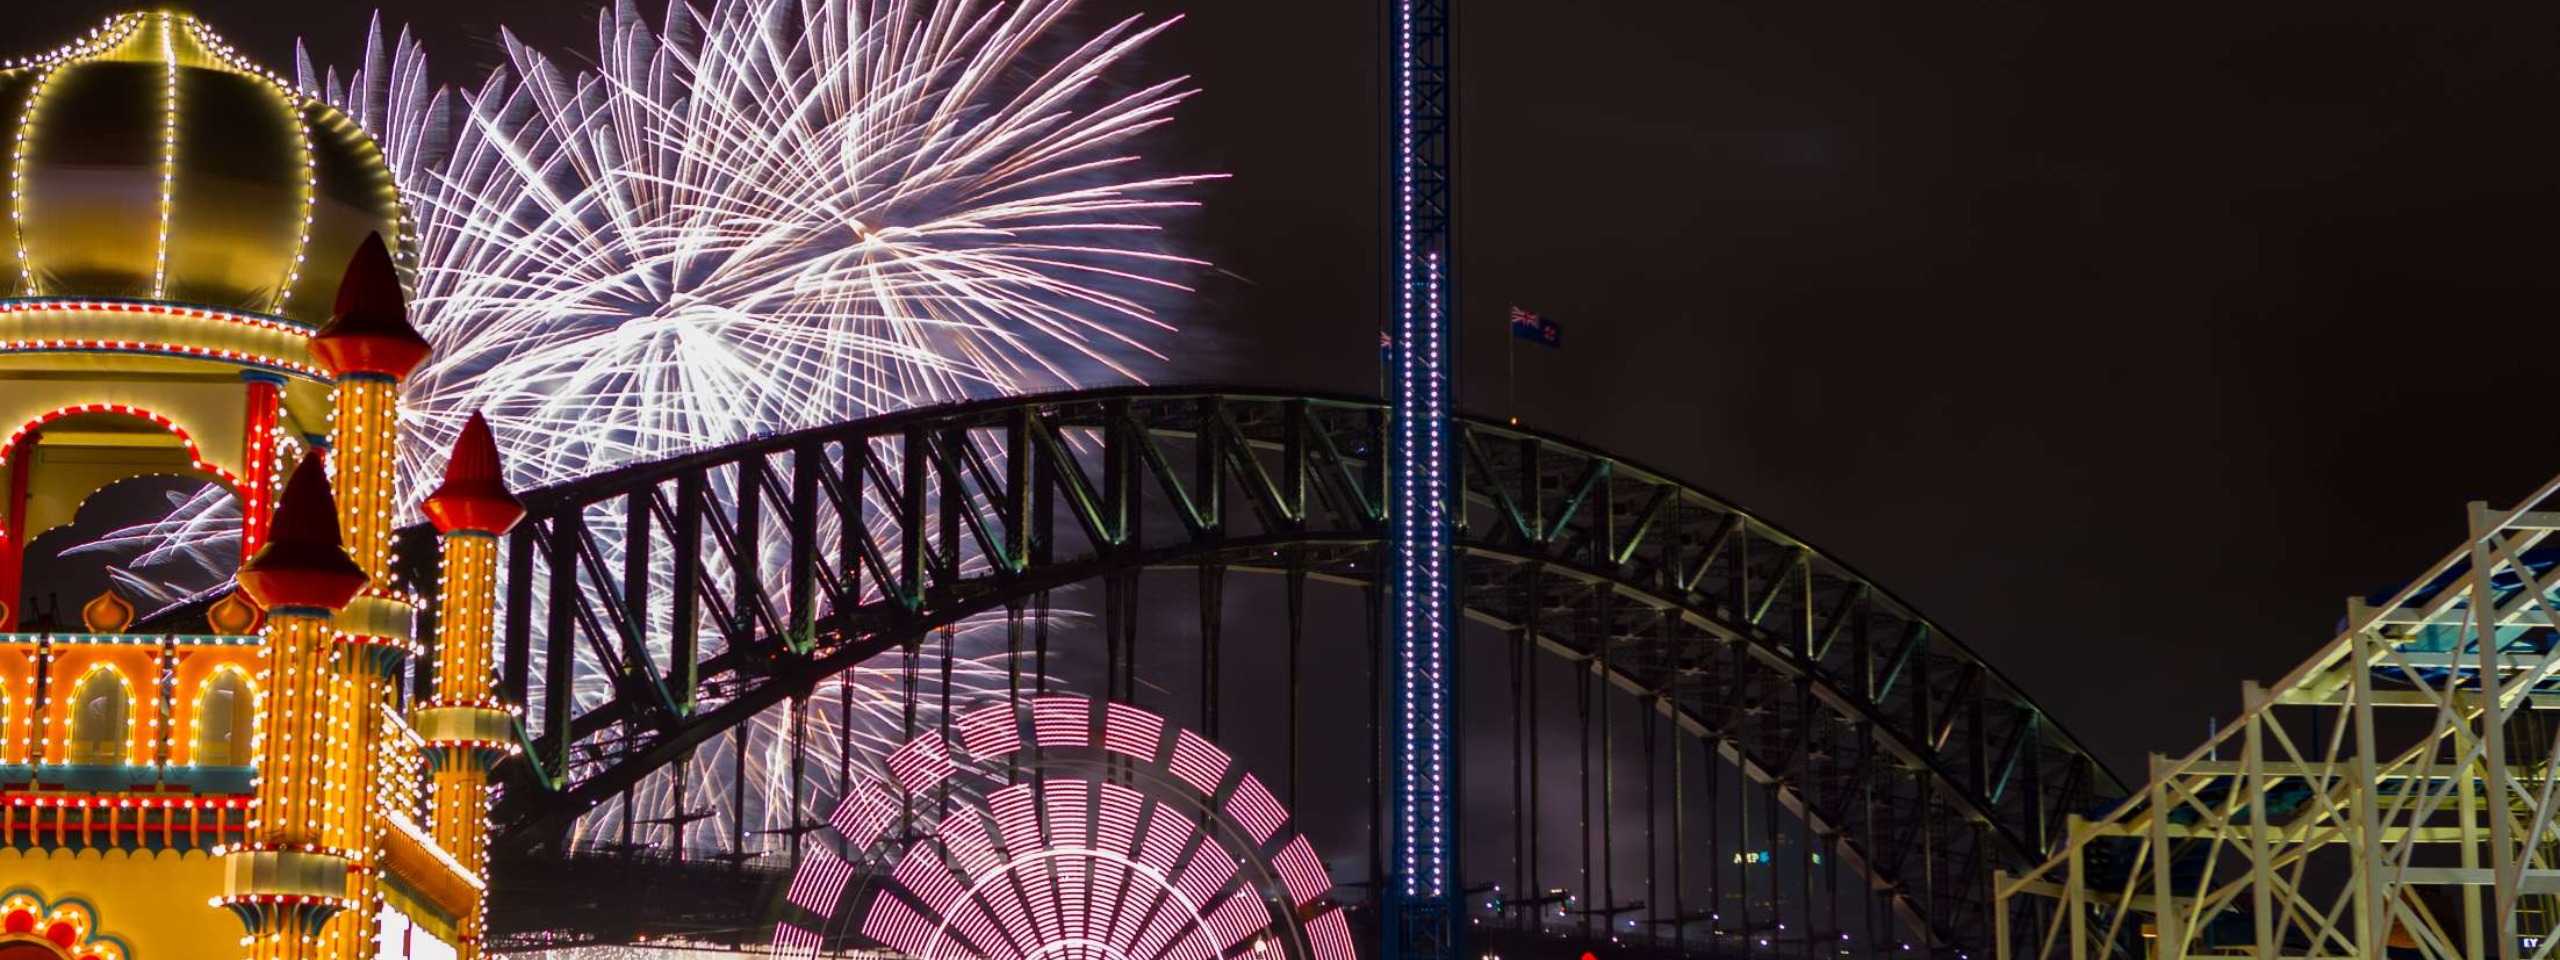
x=1424, y=919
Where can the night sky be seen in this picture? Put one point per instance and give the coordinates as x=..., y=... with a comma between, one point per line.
x=2124, y=340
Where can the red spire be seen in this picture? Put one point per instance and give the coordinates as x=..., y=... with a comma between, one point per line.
x=474, y=497
x=369, y=331
x=303, y=563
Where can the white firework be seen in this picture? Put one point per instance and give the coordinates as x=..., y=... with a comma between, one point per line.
x=757, y=217
x=774, y=214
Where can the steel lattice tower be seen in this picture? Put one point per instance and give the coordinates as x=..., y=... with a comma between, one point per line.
x=1423, y=920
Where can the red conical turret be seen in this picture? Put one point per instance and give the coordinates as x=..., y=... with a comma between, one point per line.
x=474, y=497
x=303, y=564
x=369, y=331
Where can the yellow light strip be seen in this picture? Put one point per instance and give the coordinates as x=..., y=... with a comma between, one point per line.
x=112, y=31
x=171, y=349
x=205, y=36
x=47, y=305
x=107, y=33
x=18, y=181
x=168, y=157
x=310, y=205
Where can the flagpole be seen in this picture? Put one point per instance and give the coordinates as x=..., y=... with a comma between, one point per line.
x=1511, y=373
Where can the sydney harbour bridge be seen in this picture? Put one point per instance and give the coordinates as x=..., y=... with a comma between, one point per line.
x=1726, y=695
x=1520, y=698
x=1253, y=672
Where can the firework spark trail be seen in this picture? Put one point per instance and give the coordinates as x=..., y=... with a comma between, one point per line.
x=172, y=555
x=777, y=214
x=774, y=215
x=757, y=217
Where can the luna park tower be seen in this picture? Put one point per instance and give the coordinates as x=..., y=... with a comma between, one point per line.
x=202, y=276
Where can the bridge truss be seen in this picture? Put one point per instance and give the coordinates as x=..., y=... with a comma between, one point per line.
x=1916, y=766
x=2394, y=795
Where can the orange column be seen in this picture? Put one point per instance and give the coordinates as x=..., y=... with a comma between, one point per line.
x=467, y=729
x=290, y=878
x=369, y=344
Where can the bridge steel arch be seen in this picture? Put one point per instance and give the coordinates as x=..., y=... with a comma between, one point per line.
x=1921, y=766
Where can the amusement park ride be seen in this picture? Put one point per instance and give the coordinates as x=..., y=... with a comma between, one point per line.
x=317, y=764
x=2395, y=795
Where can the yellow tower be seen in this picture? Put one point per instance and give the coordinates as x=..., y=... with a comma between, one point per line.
x=466, y=727
x=200, y=276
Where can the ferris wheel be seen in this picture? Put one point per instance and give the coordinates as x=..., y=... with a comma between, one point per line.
x=1063, y=828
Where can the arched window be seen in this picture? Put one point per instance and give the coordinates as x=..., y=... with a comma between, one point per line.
x=226, y=718
x=101, y=718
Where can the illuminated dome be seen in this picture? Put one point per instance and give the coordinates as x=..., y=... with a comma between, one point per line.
x=150, y=162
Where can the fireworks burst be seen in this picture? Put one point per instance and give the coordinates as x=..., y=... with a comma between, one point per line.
x=759, y=216
x=777, y=214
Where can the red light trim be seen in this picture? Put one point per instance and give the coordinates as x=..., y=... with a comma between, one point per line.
x=188, y=311
x=195, y=454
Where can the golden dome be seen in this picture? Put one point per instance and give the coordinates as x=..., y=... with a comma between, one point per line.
x=150, y=162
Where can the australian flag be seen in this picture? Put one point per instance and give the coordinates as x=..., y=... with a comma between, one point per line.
x=1536, y=329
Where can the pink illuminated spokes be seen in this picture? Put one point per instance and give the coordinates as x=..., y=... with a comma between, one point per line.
x=922, y=763
x=1070, y=806
x=1253, y=805
x=787, y=936
x=929, y=881
x=1062, y=721
x=1301, y=872
x=820, y=881
x=1017, y=817
x=1239, y=916
x=1208, y=870
x=1072, y=868
x=1131, y=731
x=965, y=836
x=859, y=820
x=1042, y=891
x=1198, y=762
x=974, y=926
x=1162, y=927
x=1075, y=895
x=898, y=927
x=1166, y=838
x=990, y=732
x=1006, y=897
x=1111, y=888
x=1116, y=819
x=1329, y=936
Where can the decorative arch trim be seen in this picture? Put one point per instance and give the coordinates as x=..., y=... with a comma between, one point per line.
x=69, y=927
x=195, y=453
x=243, y=739
x=73, y=704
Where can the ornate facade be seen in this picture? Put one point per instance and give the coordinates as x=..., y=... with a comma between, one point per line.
x=198, y=283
